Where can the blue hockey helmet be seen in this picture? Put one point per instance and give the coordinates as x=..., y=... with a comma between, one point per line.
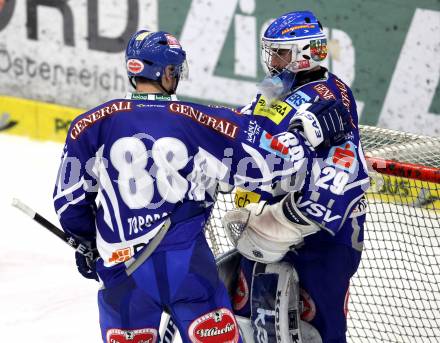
x=149, y=53
x=295, y=41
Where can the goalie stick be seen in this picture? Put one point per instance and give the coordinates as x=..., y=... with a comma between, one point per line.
x=75, y=243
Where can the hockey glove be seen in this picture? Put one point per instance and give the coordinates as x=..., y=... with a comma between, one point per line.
x=325, y=122
x=265, y=233
x=86, y=266
x=85, y=263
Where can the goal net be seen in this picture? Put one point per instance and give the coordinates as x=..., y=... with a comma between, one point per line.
x=395, y=295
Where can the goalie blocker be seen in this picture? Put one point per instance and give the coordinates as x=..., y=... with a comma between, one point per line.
x=265, y=233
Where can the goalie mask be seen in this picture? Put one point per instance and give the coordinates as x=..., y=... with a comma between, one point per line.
x=294, y=42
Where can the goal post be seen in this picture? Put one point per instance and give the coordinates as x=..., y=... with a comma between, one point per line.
x=395, y=295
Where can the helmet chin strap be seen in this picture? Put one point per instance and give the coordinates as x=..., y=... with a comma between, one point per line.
x=132, y=83
x=172, y=90
x=169, y=92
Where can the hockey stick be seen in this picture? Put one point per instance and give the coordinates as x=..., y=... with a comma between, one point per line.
x=75, y=243
x=170, y=329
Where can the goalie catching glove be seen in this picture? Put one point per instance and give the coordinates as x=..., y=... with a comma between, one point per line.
x=324, y=122
x=265, y=233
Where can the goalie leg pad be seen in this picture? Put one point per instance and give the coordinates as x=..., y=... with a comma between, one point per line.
x=275, y=303
x=245, y=327
x=309, y=334
x=228, y=266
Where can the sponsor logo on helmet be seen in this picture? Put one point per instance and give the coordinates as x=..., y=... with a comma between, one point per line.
x=297, y=27
x=225, y=127
x=135, y=66
x=147, y=335
x=213, y=327
x=318, y=49
x=143, y=35
x=308, y=306
x=92, y=118
x=172, y=41
x=302, y=64
x=241, y=295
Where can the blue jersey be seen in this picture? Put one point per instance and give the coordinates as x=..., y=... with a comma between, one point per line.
x=129, y=163
x=332, y=195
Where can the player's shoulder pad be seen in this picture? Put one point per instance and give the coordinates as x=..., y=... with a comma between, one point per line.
x=248, y=108
x=88, y=119
x=223, y=120
x=206, y=109
x=274, y=110
x=343, y=92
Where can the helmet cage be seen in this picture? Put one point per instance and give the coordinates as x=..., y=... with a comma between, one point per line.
x=181, y=71
x=305, y=54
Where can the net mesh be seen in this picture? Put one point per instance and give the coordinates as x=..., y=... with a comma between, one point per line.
x=395, y=295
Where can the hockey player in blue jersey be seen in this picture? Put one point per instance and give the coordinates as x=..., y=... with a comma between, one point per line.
x=328, y=206
x=136, y=181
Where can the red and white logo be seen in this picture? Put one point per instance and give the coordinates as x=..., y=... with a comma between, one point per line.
x=309, y=308
x=225, y=127
x=147, y=335
x=214, y=327
x=273, y=145
x=324, y=92
x=134, y=66
x=301, y=64
x=172, y=41
x=241, y=295
x=343, y=157
x=103, y=112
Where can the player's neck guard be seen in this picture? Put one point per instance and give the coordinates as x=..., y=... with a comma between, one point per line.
x=307, y=76
x=151, y=96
